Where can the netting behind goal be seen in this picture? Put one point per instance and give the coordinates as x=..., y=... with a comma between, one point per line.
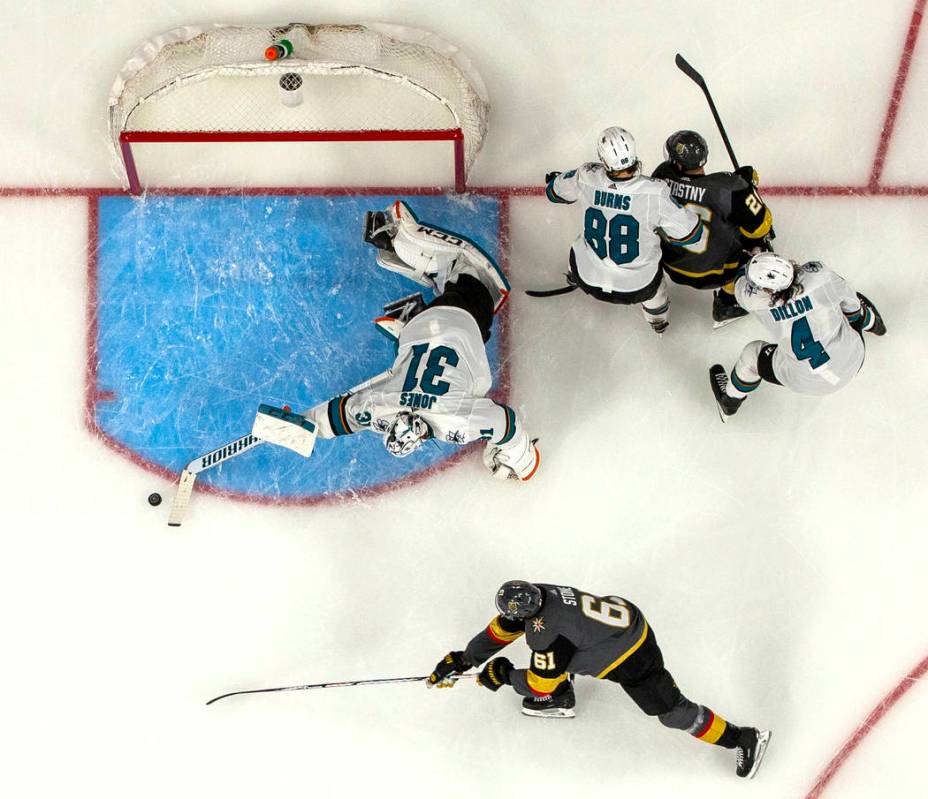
x=342, y=82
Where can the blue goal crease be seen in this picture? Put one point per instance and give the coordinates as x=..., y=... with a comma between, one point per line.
x=209, y=306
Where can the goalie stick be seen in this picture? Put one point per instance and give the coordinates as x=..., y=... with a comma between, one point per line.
x=233, y=449
x=345, y=684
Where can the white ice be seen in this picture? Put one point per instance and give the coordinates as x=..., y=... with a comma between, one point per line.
x=780, y=558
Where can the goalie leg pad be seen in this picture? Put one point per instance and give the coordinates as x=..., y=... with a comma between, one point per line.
x=284, y=428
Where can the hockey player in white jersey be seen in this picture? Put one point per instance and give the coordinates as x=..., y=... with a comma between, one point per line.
x=437, y=385
x=617, y=256
x=816, y=322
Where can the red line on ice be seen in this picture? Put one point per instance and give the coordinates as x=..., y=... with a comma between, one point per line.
x=885, y=705
x=902, y=74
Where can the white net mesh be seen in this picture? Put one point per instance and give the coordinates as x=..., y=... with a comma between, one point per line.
x=354, y=78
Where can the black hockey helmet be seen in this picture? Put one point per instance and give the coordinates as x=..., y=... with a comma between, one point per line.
x=686, y=149
x=518, y=600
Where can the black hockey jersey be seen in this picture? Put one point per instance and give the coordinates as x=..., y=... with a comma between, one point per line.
x=573, y=632
x=733, y=214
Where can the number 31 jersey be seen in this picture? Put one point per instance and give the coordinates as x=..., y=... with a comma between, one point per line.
x=818, y=351
x=619, y=249
x=441, y=373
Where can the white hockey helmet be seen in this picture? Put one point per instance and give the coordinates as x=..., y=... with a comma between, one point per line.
x=771, y=272
x=407, y=433
x=616, y=149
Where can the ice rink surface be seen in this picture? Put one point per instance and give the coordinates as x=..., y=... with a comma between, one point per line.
x=780, y=558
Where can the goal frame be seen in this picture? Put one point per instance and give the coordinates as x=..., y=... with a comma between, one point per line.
x=128, y=137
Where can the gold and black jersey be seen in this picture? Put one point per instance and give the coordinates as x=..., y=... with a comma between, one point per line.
x=733, y=215
x=573, y=633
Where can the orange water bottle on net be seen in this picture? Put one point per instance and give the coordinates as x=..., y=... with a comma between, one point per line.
x=279, y=50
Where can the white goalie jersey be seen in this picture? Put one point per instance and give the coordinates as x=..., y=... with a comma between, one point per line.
x=818, y=351
x=619, y=249
x=441, y=373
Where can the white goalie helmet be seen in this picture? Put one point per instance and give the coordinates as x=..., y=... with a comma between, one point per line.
x=616, y=149
x=770, y=272
x=406, y=434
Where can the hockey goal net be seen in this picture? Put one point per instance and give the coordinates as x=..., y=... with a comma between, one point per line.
x=369, y=82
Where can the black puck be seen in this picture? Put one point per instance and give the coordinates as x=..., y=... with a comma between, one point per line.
x=154, y=499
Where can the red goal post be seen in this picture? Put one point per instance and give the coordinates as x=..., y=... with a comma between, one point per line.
x=357, y=83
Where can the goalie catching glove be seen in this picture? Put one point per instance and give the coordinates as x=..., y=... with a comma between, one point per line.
x=518, y=462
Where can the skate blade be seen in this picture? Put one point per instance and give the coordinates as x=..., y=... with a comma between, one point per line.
x=550, y=713
x=722, y=415
x=724, y=322
x=763, y=738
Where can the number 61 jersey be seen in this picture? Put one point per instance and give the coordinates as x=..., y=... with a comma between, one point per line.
x=573, y=633
x=818, y=351
x=441, y=374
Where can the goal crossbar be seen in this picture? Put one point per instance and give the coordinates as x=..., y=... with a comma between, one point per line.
x=127, y=137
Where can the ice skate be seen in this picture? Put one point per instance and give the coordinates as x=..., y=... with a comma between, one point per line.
x=750, y=751
x=559, y=705
x=725, y=309
x=718, y=379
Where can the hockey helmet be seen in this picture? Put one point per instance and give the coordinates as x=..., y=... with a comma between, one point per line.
x=517, y=599
x=406, y=434
x=616, y=149
x=771, y=272
x=686, y=150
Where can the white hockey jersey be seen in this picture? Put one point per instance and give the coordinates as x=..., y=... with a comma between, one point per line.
x=442, y=374
x=619, y=248
x=818, y=351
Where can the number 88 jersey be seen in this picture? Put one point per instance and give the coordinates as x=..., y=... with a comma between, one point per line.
x=817, y=351
x=619, y=249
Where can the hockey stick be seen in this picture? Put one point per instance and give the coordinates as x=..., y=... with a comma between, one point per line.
x=687, y=69
x=233, y=449
x=346, y=684
x=552, y=292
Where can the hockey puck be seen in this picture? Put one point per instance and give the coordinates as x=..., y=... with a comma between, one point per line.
x=154, y=499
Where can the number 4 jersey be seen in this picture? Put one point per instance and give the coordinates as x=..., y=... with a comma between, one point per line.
x=441, y=373
x=619, y=249
x=817, y=349
x=573, y=633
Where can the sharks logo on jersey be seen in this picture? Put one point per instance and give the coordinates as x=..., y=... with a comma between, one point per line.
x=208, y=306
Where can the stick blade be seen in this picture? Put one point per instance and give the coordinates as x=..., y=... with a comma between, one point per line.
x=687, y=69
x=181, y=498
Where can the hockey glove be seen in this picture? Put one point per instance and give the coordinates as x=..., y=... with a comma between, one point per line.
x=496, y=674
x=748, y=173
x=452, y=663
x=512, y=463
x=550, y=176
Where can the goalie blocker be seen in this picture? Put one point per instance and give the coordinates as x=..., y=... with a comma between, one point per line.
x=285, y=428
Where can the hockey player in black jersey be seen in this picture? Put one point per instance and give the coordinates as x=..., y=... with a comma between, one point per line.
x=573, y=632
x=734, y=217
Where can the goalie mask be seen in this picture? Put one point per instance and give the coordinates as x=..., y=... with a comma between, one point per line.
x=518, y=600
x=406, y=434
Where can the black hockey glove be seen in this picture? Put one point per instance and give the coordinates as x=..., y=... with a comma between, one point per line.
x=452, y=663
x=496, y=674
x=748, y=173
x=550, y=176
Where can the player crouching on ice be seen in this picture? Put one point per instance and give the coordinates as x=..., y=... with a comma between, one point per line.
x=816, y=320
x=573, y=632
x=437, y=385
